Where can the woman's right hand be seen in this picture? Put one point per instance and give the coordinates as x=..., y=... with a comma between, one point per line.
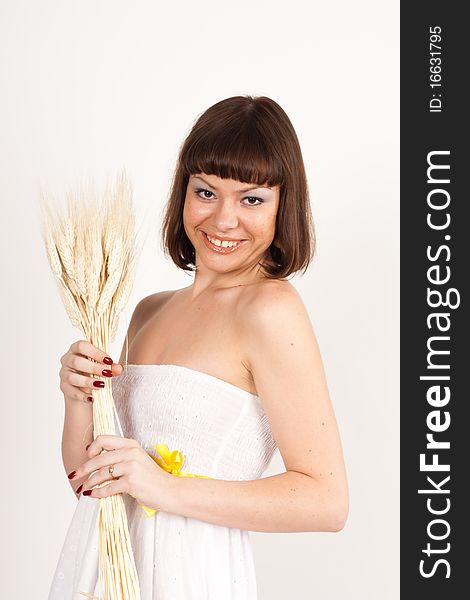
x=76, y=381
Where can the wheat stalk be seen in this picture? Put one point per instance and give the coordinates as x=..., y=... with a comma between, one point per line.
x=92, y=253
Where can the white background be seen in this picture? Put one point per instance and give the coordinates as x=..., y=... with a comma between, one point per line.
x=88, y=87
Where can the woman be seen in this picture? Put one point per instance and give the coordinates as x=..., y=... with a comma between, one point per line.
x=224, y=370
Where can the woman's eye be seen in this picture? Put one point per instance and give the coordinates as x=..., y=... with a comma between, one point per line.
x=254, y=198
x=198, y=192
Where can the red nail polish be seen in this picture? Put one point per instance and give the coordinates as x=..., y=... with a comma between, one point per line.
x=107, y=373
x=79, y=489
x=98, y=384
x=90, y=398
x=88, y=446
x=107, y=360
x=71, y=475
x=87, y=492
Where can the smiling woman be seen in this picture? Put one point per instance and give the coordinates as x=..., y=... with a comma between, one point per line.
x=251, y=141
x=225, y=224
x=217, y=375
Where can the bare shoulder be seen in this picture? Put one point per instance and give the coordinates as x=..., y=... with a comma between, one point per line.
x=272, y=313
x=143, y=311
x=147, y=307
x=270, y=299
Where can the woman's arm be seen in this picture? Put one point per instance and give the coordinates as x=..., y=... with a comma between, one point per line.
x=77, y=433
x=312, y=495
x=77, y=430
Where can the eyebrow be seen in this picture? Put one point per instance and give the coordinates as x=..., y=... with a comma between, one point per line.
x=237, y=191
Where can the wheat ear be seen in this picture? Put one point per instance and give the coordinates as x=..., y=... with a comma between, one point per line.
x=91, y=252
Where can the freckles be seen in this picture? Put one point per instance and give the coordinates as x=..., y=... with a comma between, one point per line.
x=194, y=210
x=200, y=211
x=264, y=225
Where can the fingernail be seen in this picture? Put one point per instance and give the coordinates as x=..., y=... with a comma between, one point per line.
x=79, y=489
x=71, y=475
x=107, y=360
x=88, y=446
x=87, y=492
x=107, y=373
x=90, y=398
x=98, y=384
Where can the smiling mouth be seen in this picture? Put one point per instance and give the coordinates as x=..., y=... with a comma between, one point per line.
x=222, y=247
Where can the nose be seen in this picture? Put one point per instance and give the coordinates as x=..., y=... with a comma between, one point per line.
x=225, y=216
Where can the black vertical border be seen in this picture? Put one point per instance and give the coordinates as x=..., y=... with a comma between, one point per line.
x=420, y=133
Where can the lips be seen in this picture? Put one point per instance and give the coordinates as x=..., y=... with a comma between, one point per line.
x=220, y=249
x=224, y=239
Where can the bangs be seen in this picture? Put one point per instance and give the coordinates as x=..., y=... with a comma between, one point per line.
x=238, y=150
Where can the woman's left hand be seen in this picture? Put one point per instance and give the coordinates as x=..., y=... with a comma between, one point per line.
x=135, y=472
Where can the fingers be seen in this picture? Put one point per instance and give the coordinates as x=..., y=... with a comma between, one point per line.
x=78, y=387
x=87, y=350
x=104, y=460
x=71, y=379
x=107, y=450
x=85, y=366
x=81, y=394
x=116, y=486
x=111, y=442
x=81, y=367
x=102, y=475
x=84, y=394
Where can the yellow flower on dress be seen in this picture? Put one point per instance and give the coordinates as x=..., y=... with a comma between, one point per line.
x=172, y=462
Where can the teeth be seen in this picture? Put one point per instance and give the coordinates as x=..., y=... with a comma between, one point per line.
x=223, y=244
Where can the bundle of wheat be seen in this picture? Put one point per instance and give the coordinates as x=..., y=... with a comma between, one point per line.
x=91, y=249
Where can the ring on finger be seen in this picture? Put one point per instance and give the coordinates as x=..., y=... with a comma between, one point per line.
x=111, y=471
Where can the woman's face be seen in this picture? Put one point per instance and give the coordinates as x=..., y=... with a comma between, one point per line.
x=217, y=211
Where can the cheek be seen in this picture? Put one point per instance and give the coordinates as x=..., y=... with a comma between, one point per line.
x=194, y=212
x=265, y=225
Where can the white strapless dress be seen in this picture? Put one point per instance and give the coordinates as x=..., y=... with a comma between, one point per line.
x=223, y=432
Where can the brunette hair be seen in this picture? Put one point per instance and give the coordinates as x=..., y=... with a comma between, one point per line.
x=250, y=139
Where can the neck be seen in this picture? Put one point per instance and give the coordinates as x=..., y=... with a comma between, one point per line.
x=206, y=280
